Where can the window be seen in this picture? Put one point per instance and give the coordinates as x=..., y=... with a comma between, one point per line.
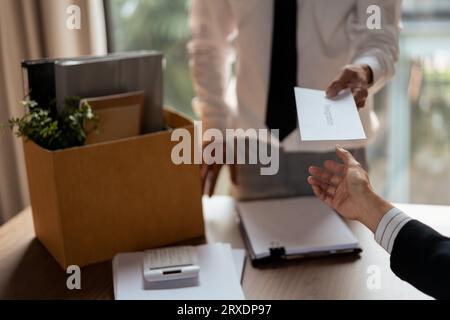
x=410, y=160
x=160, y=25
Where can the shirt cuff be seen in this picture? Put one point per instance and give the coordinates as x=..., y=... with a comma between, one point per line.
x=374, y=65
x=389, y=227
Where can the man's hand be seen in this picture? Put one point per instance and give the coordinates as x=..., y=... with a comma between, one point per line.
x=346, y=188
x=358, y=78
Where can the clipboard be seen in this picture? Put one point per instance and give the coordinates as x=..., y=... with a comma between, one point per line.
x=277, y=250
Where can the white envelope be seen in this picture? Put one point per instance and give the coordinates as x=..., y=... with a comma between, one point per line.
x=323, y=119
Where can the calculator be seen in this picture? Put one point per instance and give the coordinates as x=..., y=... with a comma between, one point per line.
x=171, y=263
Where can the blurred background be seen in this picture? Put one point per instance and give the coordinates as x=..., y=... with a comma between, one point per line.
x=409, y=159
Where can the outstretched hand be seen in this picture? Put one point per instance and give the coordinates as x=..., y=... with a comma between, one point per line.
x=346, y=188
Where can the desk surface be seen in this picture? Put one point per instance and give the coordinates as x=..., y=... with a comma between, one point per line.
x=28, y=271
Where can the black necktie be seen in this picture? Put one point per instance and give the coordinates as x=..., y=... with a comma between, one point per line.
x=281, y=109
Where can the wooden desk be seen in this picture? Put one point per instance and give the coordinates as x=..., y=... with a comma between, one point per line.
x=28, y=271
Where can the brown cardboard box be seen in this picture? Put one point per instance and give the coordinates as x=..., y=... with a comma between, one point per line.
x=92, y=202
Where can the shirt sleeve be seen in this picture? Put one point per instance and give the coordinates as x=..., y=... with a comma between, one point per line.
x=378, y=48
x=212, y=26
x=389, y=227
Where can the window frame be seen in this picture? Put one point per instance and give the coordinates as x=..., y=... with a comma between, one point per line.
x=110, y=42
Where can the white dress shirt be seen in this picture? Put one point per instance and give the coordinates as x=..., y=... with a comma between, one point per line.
x=389, y=227
x=331, y=34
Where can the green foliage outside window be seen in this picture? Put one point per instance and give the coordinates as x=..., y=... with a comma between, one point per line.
x=158, y=25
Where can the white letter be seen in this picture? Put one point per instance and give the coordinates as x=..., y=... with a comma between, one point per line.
x=213, y=152
x=198, y=141
x=74, y=281
x=264, y=158
x=74, y=20
x=241, y=152
x=374, y=280
x=207, y=311
x=374, y=20
x=181, y=152
x=229, y=142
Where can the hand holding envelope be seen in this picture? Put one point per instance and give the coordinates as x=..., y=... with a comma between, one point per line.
x=323, y=119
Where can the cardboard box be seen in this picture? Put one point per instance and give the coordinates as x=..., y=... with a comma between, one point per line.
x=92, y=202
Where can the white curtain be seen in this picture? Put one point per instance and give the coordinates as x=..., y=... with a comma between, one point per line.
x=35, y=29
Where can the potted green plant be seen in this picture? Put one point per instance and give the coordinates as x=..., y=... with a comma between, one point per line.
x=55, y=131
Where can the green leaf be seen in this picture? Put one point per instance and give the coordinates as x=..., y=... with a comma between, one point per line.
x=54, y=131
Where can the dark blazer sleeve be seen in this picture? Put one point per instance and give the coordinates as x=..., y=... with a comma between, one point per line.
x=421, y=256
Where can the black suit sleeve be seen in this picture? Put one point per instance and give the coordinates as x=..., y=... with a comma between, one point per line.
x=421, y=256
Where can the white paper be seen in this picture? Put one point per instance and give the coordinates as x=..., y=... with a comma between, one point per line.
x=322, y=119
x=302, y=225
x=218, y=277
x=239, y=261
